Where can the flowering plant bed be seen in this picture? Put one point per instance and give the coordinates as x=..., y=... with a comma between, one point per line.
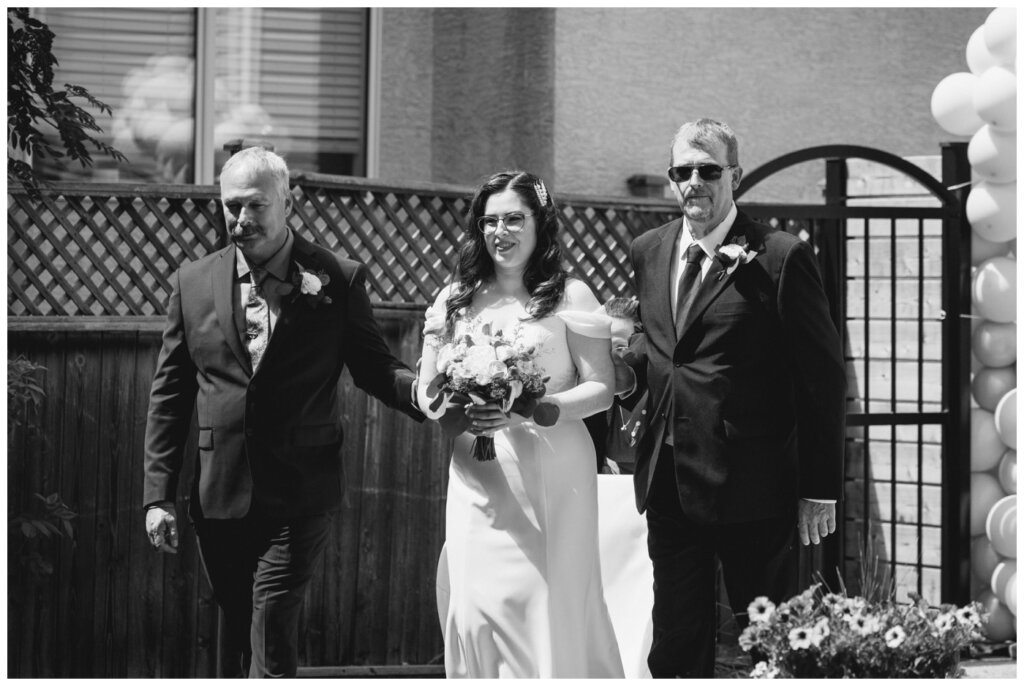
x=828, y=635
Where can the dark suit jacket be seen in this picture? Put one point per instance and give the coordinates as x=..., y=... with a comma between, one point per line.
x=755, y=387
x=272, y=437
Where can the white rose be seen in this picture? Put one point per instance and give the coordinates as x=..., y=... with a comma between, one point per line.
x=504, y=352
x=479, y=357
x=310, y=284
x=497, y=369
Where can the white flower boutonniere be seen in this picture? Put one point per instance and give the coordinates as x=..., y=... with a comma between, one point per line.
x=311, y=285
x=732, y=256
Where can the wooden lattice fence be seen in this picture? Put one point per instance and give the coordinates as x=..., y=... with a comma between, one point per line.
x=108, y=250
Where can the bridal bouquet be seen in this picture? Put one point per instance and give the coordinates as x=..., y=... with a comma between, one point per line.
x=827, y=635
x=486, y=366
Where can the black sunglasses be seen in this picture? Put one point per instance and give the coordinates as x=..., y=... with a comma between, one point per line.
x=708, y=172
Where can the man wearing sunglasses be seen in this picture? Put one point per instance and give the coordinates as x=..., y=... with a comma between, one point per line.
x=744, y=369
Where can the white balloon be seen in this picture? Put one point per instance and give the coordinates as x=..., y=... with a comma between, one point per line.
x=1008, y=471
x=993, y=154
x=1001, y=526
x=994, y=291
x=999, y=626
x=990, y=384
x=1011, y=594
x=985, y=493
x=1005, y=418
x=1001, y=575
x=982, y=249
x=986, y=446
x=995, y=345
x=992, y=210
x=995, y=97
x=984, y=558
x=978, y=57
x=1000, y=31
x=953, y=104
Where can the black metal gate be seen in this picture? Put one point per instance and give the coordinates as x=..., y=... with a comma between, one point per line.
x=898, y=278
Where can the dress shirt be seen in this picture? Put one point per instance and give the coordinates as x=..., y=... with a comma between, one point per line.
x=277, y=273
x=708, y=243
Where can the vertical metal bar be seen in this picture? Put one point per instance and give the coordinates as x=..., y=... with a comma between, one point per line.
x=956, y=367
x=833, y=251
x=867, y=386
x=920, y=405
x=893, y=404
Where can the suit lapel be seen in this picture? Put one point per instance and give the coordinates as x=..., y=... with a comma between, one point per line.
x=222, y=284
x=663, y=259
x=292, y=305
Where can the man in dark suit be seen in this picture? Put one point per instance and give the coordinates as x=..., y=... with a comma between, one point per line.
x=256, y=337
x=744, y=369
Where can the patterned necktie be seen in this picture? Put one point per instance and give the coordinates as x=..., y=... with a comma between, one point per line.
x=688, y=285
x=257, y=319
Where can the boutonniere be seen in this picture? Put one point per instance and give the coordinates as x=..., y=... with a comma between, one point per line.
x=310, y=286
x=732, y=255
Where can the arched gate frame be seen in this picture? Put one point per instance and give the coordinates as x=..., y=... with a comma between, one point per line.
x=898, y=281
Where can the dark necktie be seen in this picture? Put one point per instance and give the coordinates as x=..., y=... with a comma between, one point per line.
x=257, y=318
x=689, y=284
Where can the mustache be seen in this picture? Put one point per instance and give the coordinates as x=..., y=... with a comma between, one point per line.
x=239, y=230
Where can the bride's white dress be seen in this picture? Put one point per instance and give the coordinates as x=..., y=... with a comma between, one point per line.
x=519, y=577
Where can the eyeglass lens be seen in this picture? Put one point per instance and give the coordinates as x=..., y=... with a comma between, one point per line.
x=708, y=172
x=513, y=221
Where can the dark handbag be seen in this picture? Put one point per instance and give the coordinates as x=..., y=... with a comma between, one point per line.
x=625, y=429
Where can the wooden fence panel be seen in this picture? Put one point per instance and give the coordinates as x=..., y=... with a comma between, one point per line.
x=114, y=608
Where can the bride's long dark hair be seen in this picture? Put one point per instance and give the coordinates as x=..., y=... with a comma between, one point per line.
x=545, y=273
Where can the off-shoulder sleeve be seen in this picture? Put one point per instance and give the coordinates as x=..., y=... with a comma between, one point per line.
x=433, y=319
x=594, y=324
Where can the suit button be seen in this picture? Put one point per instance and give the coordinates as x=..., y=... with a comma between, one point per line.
x=679, y=364
x=249, y=431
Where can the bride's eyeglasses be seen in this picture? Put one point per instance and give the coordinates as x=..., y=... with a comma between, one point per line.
x=513, y=221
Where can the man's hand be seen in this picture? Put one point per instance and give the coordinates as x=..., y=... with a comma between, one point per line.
x=162, y=528
x=622, y=329
x=625, y=377
x=815, y=521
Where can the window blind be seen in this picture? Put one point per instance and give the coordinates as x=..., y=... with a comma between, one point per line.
x=293, y=76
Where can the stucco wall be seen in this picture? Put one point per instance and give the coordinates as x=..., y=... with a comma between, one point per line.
x=407, y=95
x=487, y=91
x=784, y=79
x=589, y=96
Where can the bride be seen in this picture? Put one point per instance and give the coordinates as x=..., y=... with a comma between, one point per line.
x=519, y=578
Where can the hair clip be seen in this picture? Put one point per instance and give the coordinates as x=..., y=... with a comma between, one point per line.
x=542, y=193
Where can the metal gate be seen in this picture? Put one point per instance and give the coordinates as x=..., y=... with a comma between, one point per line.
x=897, y=278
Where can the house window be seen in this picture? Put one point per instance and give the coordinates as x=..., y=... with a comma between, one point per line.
x=291, y=77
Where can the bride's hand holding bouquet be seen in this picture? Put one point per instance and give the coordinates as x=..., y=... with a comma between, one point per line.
x=489, y=375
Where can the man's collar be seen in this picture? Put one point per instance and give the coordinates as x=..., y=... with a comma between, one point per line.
x=277, y=265
x=717, y=235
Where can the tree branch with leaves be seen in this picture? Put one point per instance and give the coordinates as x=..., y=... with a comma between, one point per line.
x=33, y=105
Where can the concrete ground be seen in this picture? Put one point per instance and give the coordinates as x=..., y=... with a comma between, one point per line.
x=990, y=668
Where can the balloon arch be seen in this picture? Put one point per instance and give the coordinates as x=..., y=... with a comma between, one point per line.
x=982, y=103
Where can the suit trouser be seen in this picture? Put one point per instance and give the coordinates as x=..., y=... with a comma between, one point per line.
x=758, y=558
x=259, y=568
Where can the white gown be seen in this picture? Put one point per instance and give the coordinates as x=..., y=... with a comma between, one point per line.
x=519, y=577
